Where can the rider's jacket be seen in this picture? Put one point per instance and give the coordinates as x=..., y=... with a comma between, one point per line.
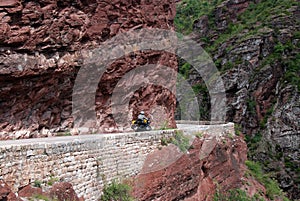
x=142, y=117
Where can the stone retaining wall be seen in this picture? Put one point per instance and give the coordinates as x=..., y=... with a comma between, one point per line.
x=87, y=161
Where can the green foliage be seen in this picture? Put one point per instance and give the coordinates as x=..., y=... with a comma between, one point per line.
x=291, y=65
x=37, y=184
x=237, y=129
x=256, y=16
x=231, y=136
x=184, y=69
x=188, y=11
x=164, y=126
x=296, y=34
x=181, y=141
x=264, y=10
x=292, y=74
x=272, y=188
x=279, y=153
x=253, y=140
x=279, y=48
x=67, y=133
x=255, y=169
x=264, y=121
x=218, y=63
x=164, y=141
x=116, y=192
x=41, y=197
x=199, y=135
x=52, y=180
x=227, y=66
x=200, y=89
x=289, y=163
x=235, y=195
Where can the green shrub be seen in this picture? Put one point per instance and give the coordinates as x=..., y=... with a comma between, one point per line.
x=41, y=197
x=52, y=180
x=292, y=74
x=251, y=106
x=181, y=141
x=37, y=184
x=231, y=136
x=164, y=141
x=67, y=133
x=237, y=129
x=200, y=89
x=253, y=140
x=116, y=192
x=255, y=17
x=235, y=195
x=184, y=69
x=199, y=135
x=188, y=11
x=272, y=187
x=164, y=126
x=255, y=170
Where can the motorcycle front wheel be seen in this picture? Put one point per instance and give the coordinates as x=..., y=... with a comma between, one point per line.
x=148, y=128
x=135, y=127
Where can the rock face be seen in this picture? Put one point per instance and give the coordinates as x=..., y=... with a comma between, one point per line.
x=259, y=62
x=6, y=193
x=59, y=191
x=40, y=55
x=63, y=191
x=169, y=174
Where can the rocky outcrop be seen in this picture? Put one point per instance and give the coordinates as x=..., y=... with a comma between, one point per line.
x=29, y=191
x=40, y=55
x=59, y=191
x=258, y=58
x=209, y=165
x=210, y=169
x=63, y=191
x=6, y=193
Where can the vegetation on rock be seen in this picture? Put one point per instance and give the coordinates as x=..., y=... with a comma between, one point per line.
x=234, y=195
x=256, y=47
x=272, y=188
x=116, y=191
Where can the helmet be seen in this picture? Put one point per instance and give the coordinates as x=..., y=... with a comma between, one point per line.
x=142, y=112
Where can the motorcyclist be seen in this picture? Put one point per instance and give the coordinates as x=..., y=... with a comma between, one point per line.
x=142, y=123
x=141, y=117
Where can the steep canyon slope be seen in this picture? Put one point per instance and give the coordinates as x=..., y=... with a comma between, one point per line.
x=255, y=45
x=41, y=45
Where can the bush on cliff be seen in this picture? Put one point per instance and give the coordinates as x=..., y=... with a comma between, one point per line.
x=190, y=10
x=235, y=195
x=272, y=188
x=116, y=192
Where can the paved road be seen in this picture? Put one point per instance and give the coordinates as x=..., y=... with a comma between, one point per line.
x=50, y=140
x=192, y=127
x=61, y=139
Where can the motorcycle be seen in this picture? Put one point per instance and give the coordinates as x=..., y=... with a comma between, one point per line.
x=141, y=125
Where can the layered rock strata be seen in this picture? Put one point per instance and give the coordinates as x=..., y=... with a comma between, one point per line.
x=41, y=54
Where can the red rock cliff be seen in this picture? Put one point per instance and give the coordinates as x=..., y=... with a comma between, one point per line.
x=211, y=165
x=40, y=45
